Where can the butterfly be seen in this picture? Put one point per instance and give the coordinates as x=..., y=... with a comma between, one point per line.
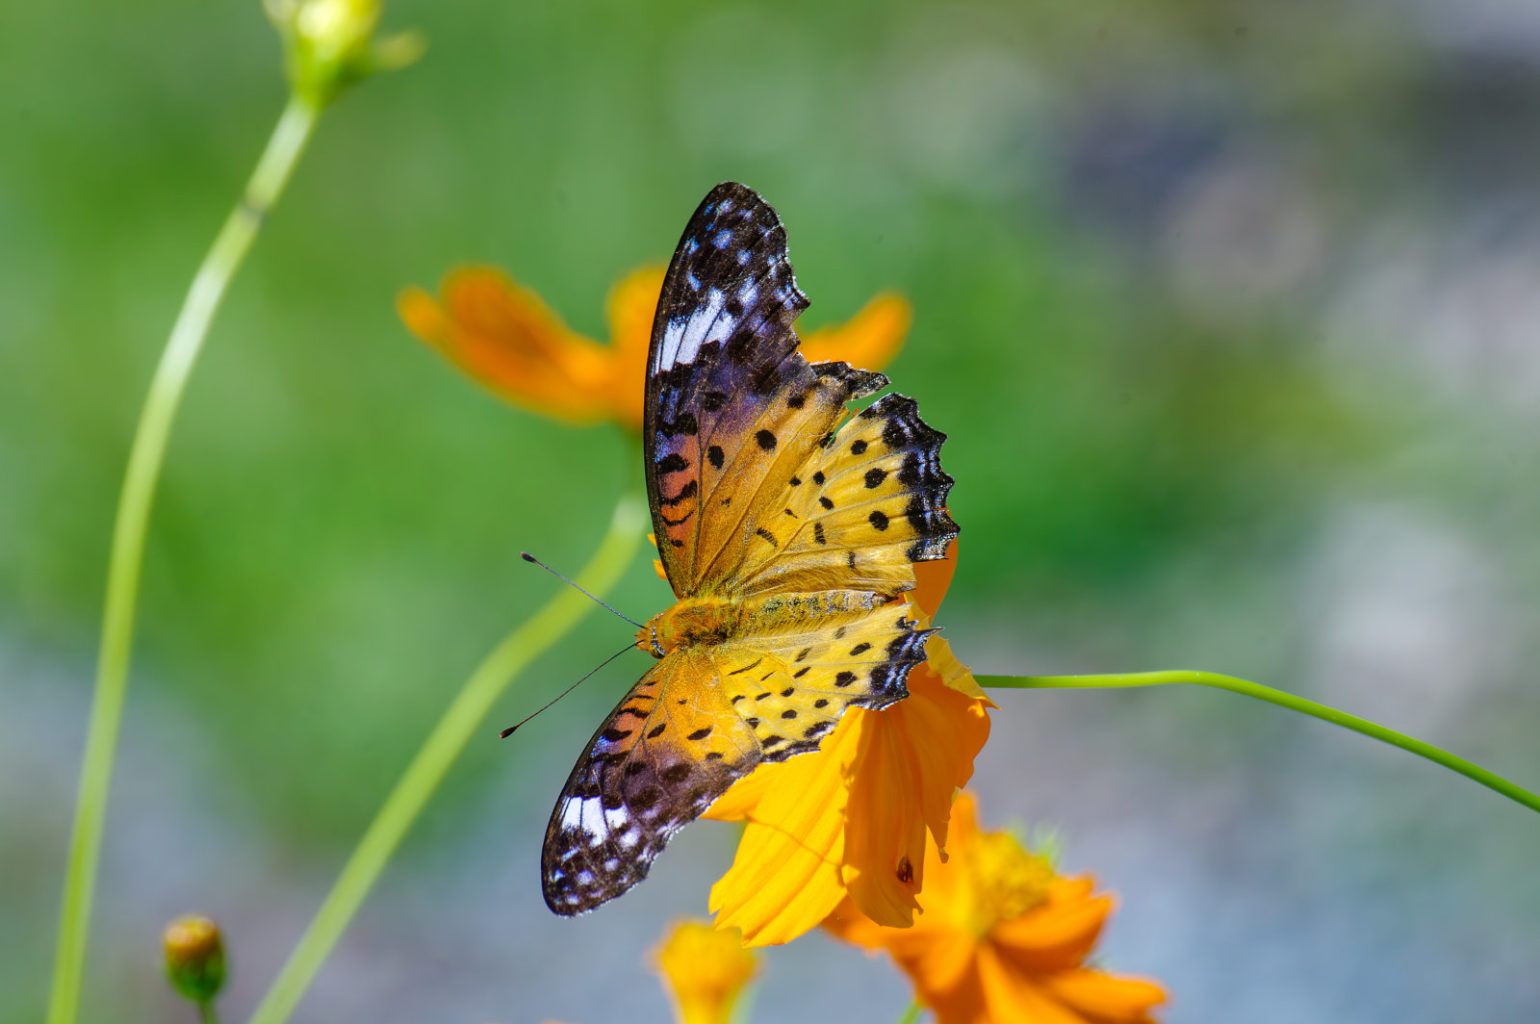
x=787, y=527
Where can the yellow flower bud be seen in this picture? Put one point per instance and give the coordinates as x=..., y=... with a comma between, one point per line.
x=705, y=970
x=195, y=957
x=337, y=30
x=331, y=44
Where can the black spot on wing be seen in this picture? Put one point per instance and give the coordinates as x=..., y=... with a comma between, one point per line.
x=685, y=423
x=689, y=490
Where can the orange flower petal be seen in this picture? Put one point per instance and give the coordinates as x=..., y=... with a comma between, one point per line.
x=1066, y=889
x=503, y=336
x=1103, y=997
x=957, y=676
x=422, y=315
x=940, y=964
x=1055, y=936
x=743, y=796
x=913, y=757
x=506, y=338
x=785, y=878
x=971, y=967
x=491, y=309
x=631, y=306
x=940, y=961
x=885, y=837
x=932, y=579
x=1012, y=995
x=931, y=582
x=870, y=339
x=961, y=1002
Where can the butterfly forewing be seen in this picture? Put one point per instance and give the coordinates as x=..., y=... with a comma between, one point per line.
x=732, y=408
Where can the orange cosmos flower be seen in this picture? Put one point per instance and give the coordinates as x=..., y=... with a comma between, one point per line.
x=850, y=820
x=511, y=342
x=704, y=969
x=1004, y=938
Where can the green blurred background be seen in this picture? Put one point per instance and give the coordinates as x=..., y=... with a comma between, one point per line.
x=1231, y=311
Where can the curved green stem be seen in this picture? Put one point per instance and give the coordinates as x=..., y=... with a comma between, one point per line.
x=1373, y=730
x=446, y=741
x=127, y=557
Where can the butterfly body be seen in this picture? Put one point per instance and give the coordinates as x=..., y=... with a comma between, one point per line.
x=788, y=529
x=703, y=622
x=695, y=621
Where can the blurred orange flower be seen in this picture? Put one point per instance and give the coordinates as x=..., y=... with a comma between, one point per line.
x=1004, y=938
x=850, y=820
x=505, y=337
x=705, y=969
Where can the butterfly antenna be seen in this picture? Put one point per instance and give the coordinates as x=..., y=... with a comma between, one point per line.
x=535, y=561
x=510, y=730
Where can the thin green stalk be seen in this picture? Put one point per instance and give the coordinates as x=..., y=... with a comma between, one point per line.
x=127, y=556
x=1490, y=780
x=912, y=1014
x=207, y=1014
x=439, y=751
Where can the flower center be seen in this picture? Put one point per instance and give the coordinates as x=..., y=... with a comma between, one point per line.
x=1008, y=880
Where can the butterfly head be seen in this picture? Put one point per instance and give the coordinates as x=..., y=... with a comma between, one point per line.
x=693, y=621
x=647, y=638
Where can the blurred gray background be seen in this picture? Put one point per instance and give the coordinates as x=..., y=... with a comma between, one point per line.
x=1231, y=310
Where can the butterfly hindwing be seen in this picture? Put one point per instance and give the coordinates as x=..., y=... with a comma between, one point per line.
x=859, y=511
x=812, y=657
x=703, y=717
x=671, y=747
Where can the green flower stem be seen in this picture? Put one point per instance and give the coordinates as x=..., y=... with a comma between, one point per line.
x=912, y=1014
x=1492, y=781
x=128, y=535
x=439, y=751
x=207, y=1014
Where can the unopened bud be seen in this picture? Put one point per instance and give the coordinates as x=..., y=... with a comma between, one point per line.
x=705, y=969
x=331, y=44
x=195, y=957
